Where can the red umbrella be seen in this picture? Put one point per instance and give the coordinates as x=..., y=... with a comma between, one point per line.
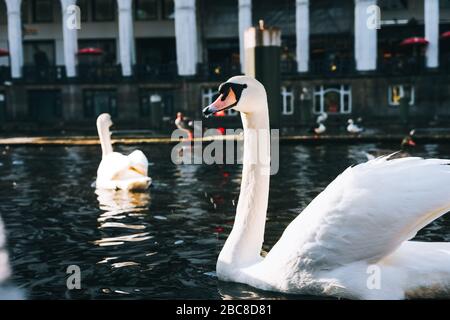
x=446, y=35
x=90, y=51
x=4, y=53
x=414, y=41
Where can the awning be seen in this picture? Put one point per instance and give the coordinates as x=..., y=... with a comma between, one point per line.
x=4, y=53
x=414, y=41
x=446, y=35
x=90, y=51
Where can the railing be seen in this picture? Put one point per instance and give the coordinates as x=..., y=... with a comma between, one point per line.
x=445, y=64
x=162, y=72
x=5, y=74
x=402, y=66
x=48, y=74
x=217, y=71
x=394, y=66
x=99, y=73
x=336, y=67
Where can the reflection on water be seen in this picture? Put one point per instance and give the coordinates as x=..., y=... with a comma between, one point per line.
x=123, y=212
x=120, y=204
x=162, y=243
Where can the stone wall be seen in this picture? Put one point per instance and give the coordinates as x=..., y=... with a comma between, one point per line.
x=369, y=96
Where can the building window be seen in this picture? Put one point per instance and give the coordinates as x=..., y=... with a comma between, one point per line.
x=97, y=102
x=397, y=92
x=146, y=10
x=393, y=4
x=287, y=95
x=144, y=106
x=103, y=10
x=42, y=11
x=2, y=106
x=147, y=101
x=333, y=99
x=84, y=7
x=208, y=97
x=444, y=4
x=24, y=11
x=156, y=52
x=39, y=53
x=45, y=105
x=168, y=10
x=166, y=97
x=3, y=13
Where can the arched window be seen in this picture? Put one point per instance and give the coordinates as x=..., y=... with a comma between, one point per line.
x=399, y=91
x=333, y=99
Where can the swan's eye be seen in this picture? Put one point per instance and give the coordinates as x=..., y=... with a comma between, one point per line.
x=227, y=87
x=224, y=91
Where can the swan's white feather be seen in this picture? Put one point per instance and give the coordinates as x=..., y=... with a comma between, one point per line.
x=117, y=171
x=364, y=216
x=112, y=165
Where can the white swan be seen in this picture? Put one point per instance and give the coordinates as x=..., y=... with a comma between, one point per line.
x=117, y=171
x=352, y=240
x=353, y=128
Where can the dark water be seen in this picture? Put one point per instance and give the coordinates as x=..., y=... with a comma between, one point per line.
x=159, y=244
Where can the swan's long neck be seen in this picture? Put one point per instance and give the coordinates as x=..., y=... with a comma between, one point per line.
x=105, y=138
x=243, y=246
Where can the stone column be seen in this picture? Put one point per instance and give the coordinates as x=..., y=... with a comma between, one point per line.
x=126, y=39
x=365, y=36
x=245, y=22
x=262, y=55
x=432, y=32
x=186, y=37
x=302, y=34
x=70, y=36
x=15, y=37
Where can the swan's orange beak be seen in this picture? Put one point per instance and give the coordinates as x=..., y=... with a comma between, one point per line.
x=222, y=103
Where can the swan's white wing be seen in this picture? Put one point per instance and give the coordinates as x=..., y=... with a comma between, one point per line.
x=366, y=213
x=139, y=162
x=112, y=166
x=117, y=171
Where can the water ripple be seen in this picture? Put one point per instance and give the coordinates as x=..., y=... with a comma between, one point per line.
x=162, y=243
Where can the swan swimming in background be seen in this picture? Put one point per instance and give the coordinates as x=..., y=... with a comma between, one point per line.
x=117, y=171
x=353, y=128
x=358, y=228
